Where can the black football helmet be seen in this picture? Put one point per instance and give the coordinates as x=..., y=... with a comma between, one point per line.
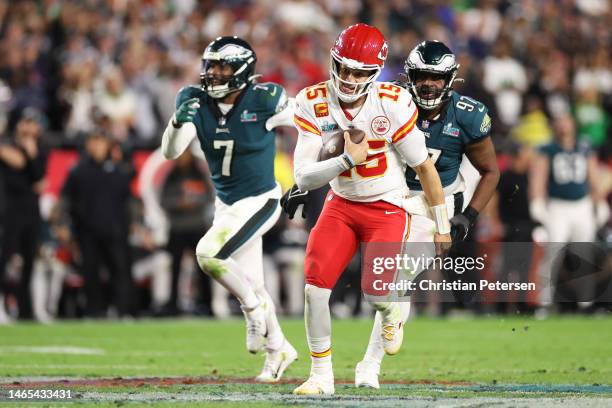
x=232, y=51
x=431, y=57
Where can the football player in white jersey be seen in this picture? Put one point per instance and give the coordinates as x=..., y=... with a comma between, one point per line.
x=367, y=182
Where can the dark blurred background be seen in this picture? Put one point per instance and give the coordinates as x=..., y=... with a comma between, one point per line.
x=94, y=77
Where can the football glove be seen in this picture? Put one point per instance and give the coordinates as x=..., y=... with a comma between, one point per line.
x=461, y=224
x=292, y=199
x=186, y=111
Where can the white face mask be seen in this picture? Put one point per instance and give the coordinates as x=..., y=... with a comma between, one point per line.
x=358, y=88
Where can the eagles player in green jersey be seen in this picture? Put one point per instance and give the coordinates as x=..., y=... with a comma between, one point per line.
x=232, y=117
x=454, y=125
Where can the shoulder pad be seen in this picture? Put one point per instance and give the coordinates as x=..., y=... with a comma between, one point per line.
x=270, y=95
x=472, y=115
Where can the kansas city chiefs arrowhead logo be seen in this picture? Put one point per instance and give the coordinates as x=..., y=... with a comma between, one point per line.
x=382, y=54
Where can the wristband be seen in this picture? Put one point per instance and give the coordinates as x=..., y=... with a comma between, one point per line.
x=348, y=160
x=471, y=214
x=441, y=218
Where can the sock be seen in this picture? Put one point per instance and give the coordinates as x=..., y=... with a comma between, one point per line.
x=228, y=273
x=318, y=329
x=375, y=351
x=276, y=337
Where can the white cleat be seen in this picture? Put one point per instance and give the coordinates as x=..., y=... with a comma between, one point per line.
x=393, y=331
x=256, y=329
x=316, y=385
x=366, y=374
x=276, y=363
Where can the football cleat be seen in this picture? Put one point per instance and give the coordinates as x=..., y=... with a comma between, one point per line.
x=256, y=329
x=366, y=374
x=316, y=385
x=392, y=331
x=276, y=363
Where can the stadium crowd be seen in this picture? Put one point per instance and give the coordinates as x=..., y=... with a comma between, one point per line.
x=100, y=76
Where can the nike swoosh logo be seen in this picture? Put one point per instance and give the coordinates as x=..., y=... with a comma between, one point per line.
x=481, y=109
x=391, y=212
x=273, y=92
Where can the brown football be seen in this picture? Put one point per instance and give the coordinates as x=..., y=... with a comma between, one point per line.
x=334, y=145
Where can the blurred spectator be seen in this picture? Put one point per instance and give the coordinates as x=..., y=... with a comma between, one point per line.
x=187, y=198
x=22, y=163
x=116, y=102
x=97, y=194
x=595, y=72
x=77, y=96
x=532, y=128
x=150, y=262
x=591, y=118
x=513, y=202
x=513, y=197
x=506, y=79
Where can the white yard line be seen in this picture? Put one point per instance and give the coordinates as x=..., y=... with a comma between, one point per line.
x=52, y=350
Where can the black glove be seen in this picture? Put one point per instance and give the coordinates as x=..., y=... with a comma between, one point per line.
x=461, y=224
x=292, y=199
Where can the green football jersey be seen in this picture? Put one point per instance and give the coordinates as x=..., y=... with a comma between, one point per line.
x=568, y=170
x=238, y=148
x=463, y=121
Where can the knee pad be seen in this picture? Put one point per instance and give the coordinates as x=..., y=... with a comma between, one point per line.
x=211, y=266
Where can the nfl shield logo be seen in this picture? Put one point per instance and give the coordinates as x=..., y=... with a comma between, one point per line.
x=425, y=124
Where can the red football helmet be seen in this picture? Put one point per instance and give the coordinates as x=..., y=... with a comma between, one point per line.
x=362, y=47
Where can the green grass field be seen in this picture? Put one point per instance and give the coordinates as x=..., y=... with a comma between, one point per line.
x=189, y=362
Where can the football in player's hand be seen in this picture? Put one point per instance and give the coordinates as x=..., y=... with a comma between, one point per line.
x=334, y=146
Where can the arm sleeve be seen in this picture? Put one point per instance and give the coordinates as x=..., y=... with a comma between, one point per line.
x=308, y=171
x=412, y=148
x=405, y=136
x=175, y=141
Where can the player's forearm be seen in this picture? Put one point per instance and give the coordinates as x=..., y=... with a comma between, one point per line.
x=176, y=140
x=485, y=189
x=430, y=181
x=432, y=188
x=310, y=173
x=317, y=174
